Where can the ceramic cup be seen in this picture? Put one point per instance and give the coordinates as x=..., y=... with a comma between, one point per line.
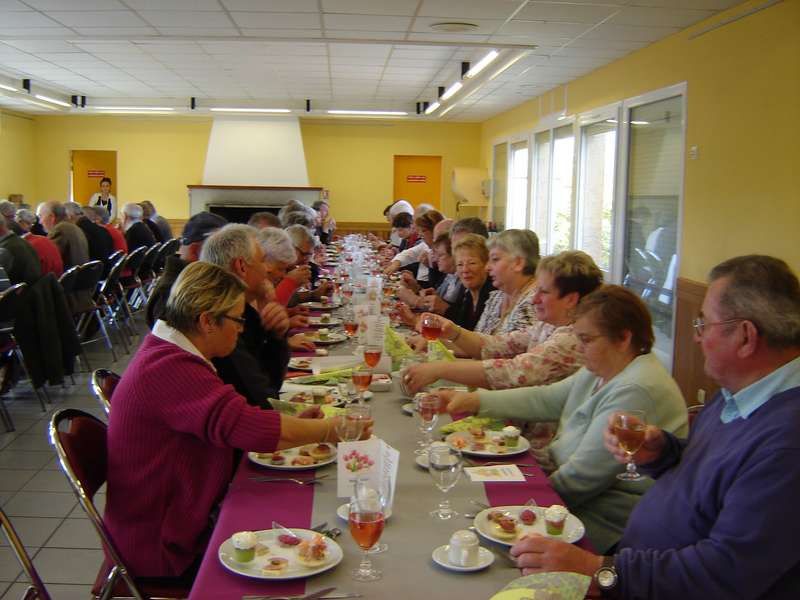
x=463, y=550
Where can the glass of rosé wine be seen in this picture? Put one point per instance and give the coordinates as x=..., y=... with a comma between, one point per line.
x=366, y=519
x=630, y=427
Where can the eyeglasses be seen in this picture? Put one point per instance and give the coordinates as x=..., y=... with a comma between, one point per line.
x=700, y=324
x=238, y=320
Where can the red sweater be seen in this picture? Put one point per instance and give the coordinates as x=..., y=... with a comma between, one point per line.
x=285, y=290
x=49, y=254
x=117, y=237
x=171, y=436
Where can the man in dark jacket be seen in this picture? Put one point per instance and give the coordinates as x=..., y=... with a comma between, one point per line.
x=67, y=236
x=20, y=259
x=137, y=234
x=100, y=243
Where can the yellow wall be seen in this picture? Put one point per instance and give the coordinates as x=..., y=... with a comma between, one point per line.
x=355, y=160
x=17, y=155
x=742, y=193
x=156, y=157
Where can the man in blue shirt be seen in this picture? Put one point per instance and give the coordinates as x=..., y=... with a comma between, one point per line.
x=720, y=521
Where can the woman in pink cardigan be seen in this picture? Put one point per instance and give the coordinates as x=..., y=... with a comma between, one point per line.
x=175, y=425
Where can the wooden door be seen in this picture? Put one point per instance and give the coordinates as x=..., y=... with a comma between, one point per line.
x=418, y=179
x=88, y=168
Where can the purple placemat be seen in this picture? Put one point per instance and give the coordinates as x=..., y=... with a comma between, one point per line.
x=250, y=505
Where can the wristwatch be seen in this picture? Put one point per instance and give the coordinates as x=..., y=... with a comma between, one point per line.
x=606, y=576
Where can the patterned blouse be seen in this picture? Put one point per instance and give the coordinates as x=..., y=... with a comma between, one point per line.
x=537, y=355
x=521, y=315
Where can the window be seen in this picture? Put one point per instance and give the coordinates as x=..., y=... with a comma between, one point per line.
x=541, y=185
x=499, y=185
x=560, y=233
x=516, y=210
x=596, y=190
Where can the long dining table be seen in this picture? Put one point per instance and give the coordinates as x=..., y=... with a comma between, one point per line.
x=410, y=533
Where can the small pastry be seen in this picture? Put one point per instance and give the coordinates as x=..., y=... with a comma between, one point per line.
x=555, y=517
x=244, y=546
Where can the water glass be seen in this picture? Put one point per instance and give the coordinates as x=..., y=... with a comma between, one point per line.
x=445, y=465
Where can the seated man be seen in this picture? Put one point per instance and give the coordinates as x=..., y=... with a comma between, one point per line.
x=137, y=234
x=717, y=522
x=21, y=261
x=304, y=272
x=69, y=238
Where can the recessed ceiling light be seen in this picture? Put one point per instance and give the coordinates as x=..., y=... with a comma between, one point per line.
x=454, y=26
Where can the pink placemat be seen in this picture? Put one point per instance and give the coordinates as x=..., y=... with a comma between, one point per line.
x=251, y=505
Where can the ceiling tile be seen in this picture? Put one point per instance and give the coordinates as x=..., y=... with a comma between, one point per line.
x=78, y=5
x=271, y=5
x=15, y=19
x=485, y=26
x=371, y=7
x=565, y=12
x=266, y=20
x=186, y=31
x=282, y=33
x=447, y=37
x=119, y=32
x=470, y=10
x=7, y=5
x=695, y=4
x=104, y=18
x=628, y=33
x=35, y=46
x=541, y=29
x=156, y=47
x=176, y=18
x=366, y=22
x=182, y=5
x=659, y=17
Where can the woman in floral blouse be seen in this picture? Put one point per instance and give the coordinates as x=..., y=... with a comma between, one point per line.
x=513, y=258
x=544, y=353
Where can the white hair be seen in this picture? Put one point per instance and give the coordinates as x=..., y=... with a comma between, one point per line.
x=228, y=243
x=401, y=206
x=299, y=235
x=25, y=215
x=277, y=245
x=133, y=211
x=73, y=209
x=422, y=209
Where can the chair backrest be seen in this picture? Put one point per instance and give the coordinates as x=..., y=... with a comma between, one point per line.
x=80, y=443
x=149, y=260
x=110, y=285
x=89, y=276
x=167, y=249
x=104, y=382
x=9, y=301
x=36, y=591
x=135, y=259
x=69, y=279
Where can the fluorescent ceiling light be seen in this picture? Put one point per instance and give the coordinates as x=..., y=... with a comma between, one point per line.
x=447, y=110
x=135, y=108
x=53, y=100
x=613, y=121
x=508, y=65
x=135, y=112
x=451, y=90
x=431, y=108
x=384, y=113
x=251, y=110
x=42, y=104
x=482, y=64
x=3, y=86
x=640, y=122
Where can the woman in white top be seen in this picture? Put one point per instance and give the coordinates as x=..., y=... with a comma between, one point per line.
x=421, y=252
x=105, y=199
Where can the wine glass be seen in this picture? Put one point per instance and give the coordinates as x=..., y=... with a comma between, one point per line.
x=431, y=327
x=366, y=520
x=445, y=465
x=372, y=354
x=362, y=377
x=350, y=427
x=428, y=414
x=630, y=427
x=350, y=323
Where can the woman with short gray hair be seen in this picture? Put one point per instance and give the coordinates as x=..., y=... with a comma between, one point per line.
x=279, y=252
x=513, y=258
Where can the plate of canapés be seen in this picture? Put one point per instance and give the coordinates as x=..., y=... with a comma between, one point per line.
x=298, y=363
x=277, y=554
x=324, y=303
x=507, y=524
x=301, y=458
x=323, y=321
x=325, y=337
x=317, y=394
x=477, y=441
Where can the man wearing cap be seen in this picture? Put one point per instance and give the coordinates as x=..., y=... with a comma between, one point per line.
x=195, y=232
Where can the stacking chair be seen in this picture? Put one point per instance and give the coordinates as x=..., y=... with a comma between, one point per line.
x=112, y=300
x=81, y=446
x=36, y=591
x=111, y=261
x=129, y=279
x=147, y=273
x=9, y=303
x=167, y=249
x=104, y=382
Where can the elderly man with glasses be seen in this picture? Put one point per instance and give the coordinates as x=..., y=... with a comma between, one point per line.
x=718, y=521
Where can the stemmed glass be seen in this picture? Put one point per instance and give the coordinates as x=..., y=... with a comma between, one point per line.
x=372, y=354
x=350, y=323
x=428, y=414
x=630, y=427
x=350, y=427
x=431, y=330
x=362, y=377
x=366, y=519
x=445, y=465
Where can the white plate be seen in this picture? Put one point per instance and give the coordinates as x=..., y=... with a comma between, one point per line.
x=291, y=453
x=294, y=570
x=316, y=322
x=573, y=528
x=409, y=408
x=334, y=393
x=343, y=512
x=320, y=306
x=422, y=461
x=523, y=445
x=440, y=557
x=300, y=364
x=334, y=337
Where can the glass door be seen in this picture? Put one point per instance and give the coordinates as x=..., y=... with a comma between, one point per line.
x=560, y=225
x=517, y=208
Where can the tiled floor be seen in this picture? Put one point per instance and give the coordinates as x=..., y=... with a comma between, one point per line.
x=37, y=498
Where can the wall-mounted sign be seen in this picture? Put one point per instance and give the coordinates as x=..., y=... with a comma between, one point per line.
x=416, y=178
x=95, y=173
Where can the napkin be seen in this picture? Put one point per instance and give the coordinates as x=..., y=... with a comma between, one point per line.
x=438, y=351
x=494, y=473
x=395, y=346
x=546, y=586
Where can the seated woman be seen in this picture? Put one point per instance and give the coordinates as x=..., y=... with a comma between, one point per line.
x=175, y=425
x=326, y=224
x=621, y=373
x=436, y=300
x=420, y=253
x=543, y=353
x=513, y=258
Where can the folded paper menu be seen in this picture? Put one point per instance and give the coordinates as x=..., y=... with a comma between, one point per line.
x=495, y=473
x=373, y=460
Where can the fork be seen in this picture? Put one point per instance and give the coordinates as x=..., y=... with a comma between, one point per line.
x=288, y=480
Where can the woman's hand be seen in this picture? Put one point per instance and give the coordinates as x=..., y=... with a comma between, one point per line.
x=300, y=343
x=322, y=289
x=653, y=446
x=417, y=377
x=407, y=279
x=392, y=267
x=449, y=329
x=407, y=296
x=536, y=553
x=298, y=321
x=434, y=304
x=460, y=402
x=417, y=342
x=298, y=310
x=333, y=425
x=408, y=316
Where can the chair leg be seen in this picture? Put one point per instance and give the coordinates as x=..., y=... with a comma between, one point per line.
x=105, y=334
x=21, y=360
x=6, y=416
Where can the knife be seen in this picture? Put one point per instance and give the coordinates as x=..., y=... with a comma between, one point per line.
x=319, y=594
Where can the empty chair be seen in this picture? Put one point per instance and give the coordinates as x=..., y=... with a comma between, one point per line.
x=112, y=300
x=129, y=279
x=104, y=382
x=147, y=273
x=36, y=591
x=80, y=443
x=168, y=248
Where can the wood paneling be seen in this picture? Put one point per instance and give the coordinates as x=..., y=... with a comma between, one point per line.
x=688, y=357
x=382, y=230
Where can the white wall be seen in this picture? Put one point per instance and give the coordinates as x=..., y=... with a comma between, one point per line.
x=255, y=151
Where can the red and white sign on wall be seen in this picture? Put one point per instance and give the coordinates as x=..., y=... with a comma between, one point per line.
x=416, y=178
x=95, y=173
